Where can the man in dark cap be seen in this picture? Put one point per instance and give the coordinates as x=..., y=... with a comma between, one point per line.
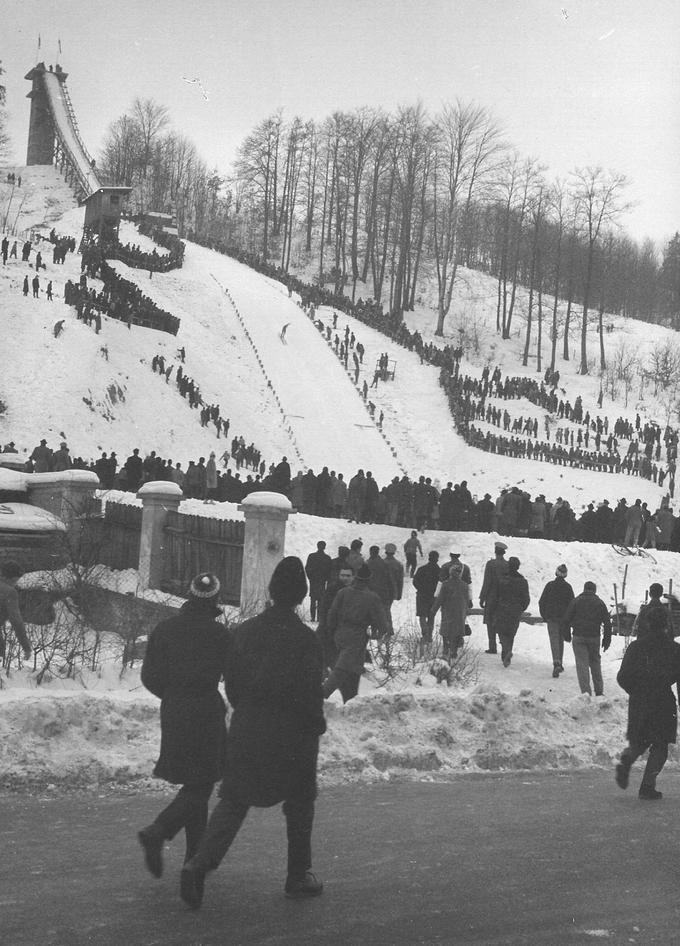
x=553, y=603
x=495, y=569
x=586, y=614
x=273, y=682
x=318, y=571
x=354, y=609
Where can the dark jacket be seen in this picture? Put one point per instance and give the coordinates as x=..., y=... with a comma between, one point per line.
x=318, y=568
x=653, y=607
x=555, y=599
x=425, y=582
x=273, y=682
x=586, y=613
x=382, y=580
x=650, y=667
x=494, y=569
x=183, y=665
x=508, y=599
x=352, y=611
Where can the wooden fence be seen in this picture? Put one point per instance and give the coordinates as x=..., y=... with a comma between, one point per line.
x=196, y=544
x=121, y=529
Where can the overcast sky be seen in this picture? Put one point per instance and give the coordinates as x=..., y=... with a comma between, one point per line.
x=596, y=82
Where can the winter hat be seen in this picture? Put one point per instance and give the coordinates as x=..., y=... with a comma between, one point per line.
x=513, y=563
x=364, y=573
x=205, y=585
x=390, y=548
x=561, y=571
x=288, y=585
x=355, y=544
x=655, y=590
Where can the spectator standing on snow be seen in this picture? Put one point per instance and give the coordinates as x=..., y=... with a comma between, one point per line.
x=355, y=559
x=41, y=458
x=352, y=611
x=649, y=669
x=454, y=601
x=412, y=548
x=654, y=605
x=586, y=614
x=382, y=582
x=25, y=288
x=343, y=578
x=318, y=570
x=10, y=573
x=273, y=682
x=35, y=282
x=495, y=569
x=184, y=663
x=397, y=570
x=425, y=582
x=552, y=605
x=508, y=599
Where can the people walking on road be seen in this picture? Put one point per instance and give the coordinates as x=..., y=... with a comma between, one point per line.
x=425, y=582
x=185, y=660
x=10, y=573
x=586, y=614
x=354, y=609
x=552, y=605
x=273, y=682
x=508, y=599
x=494, y=570
x=649, y=669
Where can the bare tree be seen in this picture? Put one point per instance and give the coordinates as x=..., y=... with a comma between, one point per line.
x=598, y=198
x=467, y=146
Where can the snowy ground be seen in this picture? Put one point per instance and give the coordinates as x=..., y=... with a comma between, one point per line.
x=297, y=400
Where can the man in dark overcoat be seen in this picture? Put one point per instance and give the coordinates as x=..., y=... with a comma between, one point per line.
x=508, y=599
x=425, y=582
x=649, y=669
x=494, y=570
x=273, y=682
x=185, y=660
x=318, y=571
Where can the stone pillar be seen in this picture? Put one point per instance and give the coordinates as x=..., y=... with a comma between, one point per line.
x=158, y=498
x=65, y=493
x=266, y=515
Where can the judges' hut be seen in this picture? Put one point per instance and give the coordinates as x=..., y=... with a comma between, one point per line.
x=103, y=209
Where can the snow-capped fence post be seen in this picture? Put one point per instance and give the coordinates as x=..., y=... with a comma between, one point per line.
x=158, y=499
x=266, y=515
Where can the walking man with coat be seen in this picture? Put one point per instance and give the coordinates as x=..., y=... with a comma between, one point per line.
x=586, y=614
x=184, y=663
x=273, y=682
x=507, y=601
x=494, y=570
x=553, y=603
x=425, y=582
x=649, y=670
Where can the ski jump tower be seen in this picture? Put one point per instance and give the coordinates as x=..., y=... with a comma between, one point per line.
x=54, y=138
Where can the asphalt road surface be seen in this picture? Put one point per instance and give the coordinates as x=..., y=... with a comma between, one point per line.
x=539, y=859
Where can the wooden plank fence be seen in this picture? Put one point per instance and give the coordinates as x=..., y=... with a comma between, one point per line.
x=196, y=544
x=121, y=529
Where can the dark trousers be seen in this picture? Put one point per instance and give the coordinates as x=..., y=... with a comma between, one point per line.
x=188, y=810
x=491, y=634
x=228, y=816
x=343, y=680
x=658, y=753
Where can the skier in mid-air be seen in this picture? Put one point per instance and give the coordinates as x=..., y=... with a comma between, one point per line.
x=282, y=333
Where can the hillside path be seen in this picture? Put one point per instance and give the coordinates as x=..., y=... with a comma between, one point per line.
x=533, y=859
